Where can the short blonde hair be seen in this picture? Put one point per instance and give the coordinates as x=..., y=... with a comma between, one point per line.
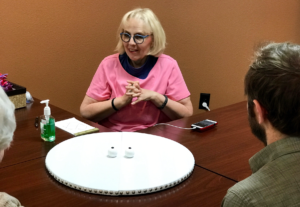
x=7, y=120
x=151, y=21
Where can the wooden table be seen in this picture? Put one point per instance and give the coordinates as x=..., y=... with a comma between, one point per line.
x=27, y=143
x=225, y=149
x=221, y=156
x=34, y=186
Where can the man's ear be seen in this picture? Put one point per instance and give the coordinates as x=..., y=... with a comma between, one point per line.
x=259, y=111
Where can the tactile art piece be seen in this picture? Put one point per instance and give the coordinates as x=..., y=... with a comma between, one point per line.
x=120, y=163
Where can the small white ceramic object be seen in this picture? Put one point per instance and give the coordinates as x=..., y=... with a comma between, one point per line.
x=129, y=152
x=112, y=152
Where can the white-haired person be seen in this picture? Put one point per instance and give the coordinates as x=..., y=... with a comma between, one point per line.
x=139, y=86
x=7, y=128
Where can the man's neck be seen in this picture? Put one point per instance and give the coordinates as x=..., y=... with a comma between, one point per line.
x=273, y=135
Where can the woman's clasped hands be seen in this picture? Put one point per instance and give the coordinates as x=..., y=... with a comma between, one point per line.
x=134, y=90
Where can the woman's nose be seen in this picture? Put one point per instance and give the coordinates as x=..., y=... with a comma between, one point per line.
x=131, y=41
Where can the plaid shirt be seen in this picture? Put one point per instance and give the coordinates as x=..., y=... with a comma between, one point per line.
x=275, y=180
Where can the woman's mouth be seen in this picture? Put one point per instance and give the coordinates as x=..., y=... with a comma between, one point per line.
x=132, y=50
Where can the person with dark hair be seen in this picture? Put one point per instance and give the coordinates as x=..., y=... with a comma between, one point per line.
x=272, y=86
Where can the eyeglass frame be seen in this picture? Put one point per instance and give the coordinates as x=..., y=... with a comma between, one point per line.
x=143, y=36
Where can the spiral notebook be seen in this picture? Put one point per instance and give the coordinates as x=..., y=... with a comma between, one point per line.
x=75, y=127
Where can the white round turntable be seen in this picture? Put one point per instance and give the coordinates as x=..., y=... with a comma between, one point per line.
x=120, y=163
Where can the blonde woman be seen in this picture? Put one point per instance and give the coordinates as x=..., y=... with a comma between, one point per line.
x=139, y=86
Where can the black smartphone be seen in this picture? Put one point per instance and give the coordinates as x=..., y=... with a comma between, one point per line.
x=204, y=125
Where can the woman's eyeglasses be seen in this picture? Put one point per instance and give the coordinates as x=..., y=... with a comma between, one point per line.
x=138, y=39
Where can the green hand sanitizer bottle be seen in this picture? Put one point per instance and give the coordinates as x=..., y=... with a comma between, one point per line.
x=47, y=124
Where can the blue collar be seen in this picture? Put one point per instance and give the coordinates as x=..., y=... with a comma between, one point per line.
x=141, y=72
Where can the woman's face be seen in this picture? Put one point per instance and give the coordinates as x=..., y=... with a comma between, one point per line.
x=137, y=52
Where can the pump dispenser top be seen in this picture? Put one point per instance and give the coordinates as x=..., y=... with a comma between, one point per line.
x=47, y=111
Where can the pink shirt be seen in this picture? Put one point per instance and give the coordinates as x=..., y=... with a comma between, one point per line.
x=110, y=80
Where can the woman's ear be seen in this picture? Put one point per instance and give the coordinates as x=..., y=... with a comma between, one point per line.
x=259, y=111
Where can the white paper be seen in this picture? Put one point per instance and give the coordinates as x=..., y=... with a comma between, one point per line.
x=73, y=126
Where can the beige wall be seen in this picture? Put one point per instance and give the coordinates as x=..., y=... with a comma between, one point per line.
x=54, y=47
